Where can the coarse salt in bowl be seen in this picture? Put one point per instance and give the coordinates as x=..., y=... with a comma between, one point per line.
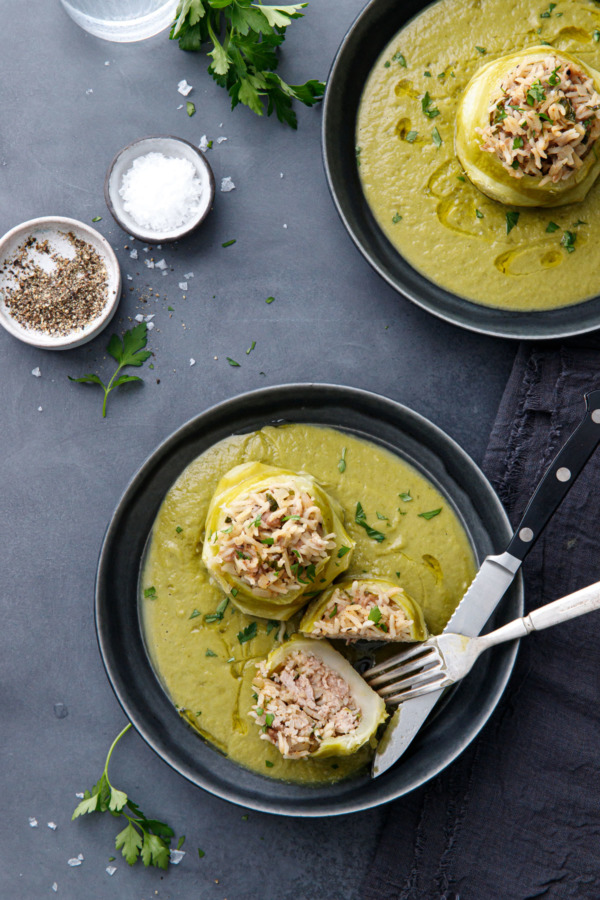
x=159, y=188
x=55, y=230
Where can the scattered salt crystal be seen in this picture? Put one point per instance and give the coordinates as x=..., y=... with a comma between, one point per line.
x=73, y=862
x=162, y=193
x=161, y=264
x=36, y=372
x=285, y=226
x=227, y=184
x=145, y=249
x=107, y=63
x=40, y=409
x=165, y=273
x=89, y=91
x=149, y=318
x=188, y=275
x=54, y=887
x=192, y=362
x=52, y=825
x=131, y=237
x=203, y=145
x=176, y=856
x=111, y=870
x=33, y=822
x=150, y=326
x=149, y=263
x=139, y=318
x=134, y=254
x=130, y=278
x=183, y=285
x=220, y=124
x=281, y=174
x=159, y=246
x=79, y=796
x=80, y=857
x=184, y=88
x=221, y=139
x=180, y=106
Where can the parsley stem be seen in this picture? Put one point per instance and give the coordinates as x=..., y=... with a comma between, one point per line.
x=112, y=747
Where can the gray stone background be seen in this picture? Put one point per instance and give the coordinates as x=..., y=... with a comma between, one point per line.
x=64, y=469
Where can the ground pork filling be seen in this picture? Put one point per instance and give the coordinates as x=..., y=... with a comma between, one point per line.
x=272, y=539
x=302, y=704
x=367, y=611
x=544, y=119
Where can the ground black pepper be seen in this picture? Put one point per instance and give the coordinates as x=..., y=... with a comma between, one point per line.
x=57, y=302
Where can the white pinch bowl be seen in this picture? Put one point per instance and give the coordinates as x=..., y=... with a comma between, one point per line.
x=171, y=147
x=53, y=229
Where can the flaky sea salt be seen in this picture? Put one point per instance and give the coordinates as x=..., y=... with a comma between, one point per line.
x=161, y=193
x=149, y=263
x=74, y=861
x=227, y=184
x=188, y=275
x=203, y=145
x=133, y=254
x=139, y=318
x=221, y=139
x=130, y=278
x=184, y=88
x=183, y=285
x=192, y=362
x=79, y=795
x=54, y=886
x=36, y=372
x=161, y=264
x=150, y=326
x=33, y=822
x=111, y=870
x=40, y=409
x=176, y=856
x=52, y=826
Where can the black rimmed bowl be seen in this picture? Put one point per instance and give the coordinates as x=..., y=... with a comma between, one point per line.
x=367, y=38
x=452, y=725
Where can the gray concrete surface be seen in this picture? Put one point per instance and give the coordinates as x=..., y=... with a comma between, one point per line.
x=64, y=114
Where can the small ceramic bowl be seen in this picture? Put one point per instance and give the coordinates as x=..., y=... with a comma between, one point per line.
x=170, y=147
x=53, y=229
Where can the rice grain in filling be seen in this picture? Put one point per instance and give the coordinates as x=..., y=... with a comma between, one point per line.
x=544, y=119
x=367, y=611
x=301, y=704
x=273, y=539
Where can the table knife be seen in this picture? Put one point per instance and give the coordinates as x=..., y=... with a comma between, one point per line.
x=497, y=574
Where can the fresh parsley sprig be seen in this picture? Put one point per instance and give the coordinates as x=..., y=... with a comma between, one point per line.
x=127, y=352
x=245, y=37
x=141, y=837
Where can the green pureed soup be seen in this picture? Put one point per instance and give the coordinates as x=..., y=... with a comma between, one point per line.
x=494, y=254
x=205, y=651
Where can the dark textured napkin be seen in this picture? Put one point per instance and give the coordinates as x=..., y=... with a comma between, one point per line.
x=517, y=816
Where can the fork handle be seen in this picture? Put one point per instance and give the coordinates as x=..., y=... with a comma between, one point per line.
x=577, y=604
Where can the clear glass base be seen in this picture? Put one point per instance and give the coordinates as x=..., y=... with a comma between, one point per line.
x=122, y=20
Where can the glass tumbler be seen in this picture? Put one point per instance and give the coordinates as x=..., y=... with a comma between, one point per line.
x=122, y=20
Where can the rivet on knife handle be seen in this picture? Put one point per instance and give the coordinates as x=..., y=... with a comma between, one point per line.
x=557, y=481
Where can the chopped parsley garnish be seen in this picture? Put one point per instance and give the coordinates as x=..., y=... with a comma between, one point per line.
x=396, y=218
x=219, y=612
x=500, y=113
x=234, y=592
x=430, y=514
x=552, y=227
x=511, y=220
x=273, y=504
x=229, y=243
x=195, y=614
x=251, y=347
x=361, y=519
x=270, y=300
x=579, y=222
x=381, y=516
x=399, y=58
x=342, y=462
x=190, y=108
x=554, y=79
x=247, y=633
x=269, y=719
x=405, y=495
x=210, y=652
x=427, y=74
x=232, y=362
x=461, y=178
x=289, y=518
x=387, y=64
x=269, y=541
x=430, y=111
x=150, y=593
x=596, y=39
x=97, y=219
x=178, y=529
x=479, y=214
x=481, y=50
x=436, y=138
x=201, y=853
x=568, y=241
x=269, y=764
x=271, y=624
x=333, y=611
x=517, y=143
x=411, y=136
x=536, y=93
x=342, y=551
x=542, y=116
x=547, y=12
x=515, y=165
x=375, y=615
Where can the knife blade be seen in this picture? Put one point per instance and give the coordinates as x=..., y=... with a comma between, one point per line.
x=497, y=573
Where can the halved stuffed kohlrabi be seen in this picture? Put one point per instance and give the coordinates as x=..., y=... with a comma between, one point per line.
x=274, y=538
x=527, y=128
x=310, y=702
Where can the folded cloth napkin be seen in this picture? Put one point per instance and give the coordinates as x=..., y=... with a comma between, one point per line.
x=517, y=816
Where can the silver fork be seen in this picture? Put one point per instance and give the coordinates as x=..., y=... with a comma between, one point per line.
x=441, y=661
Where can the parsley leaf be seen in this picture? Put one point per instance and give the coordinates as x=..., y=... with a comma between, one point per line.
x=141, y=837
x=342, y=551
x=430, y=111
x=436, y=138
x=245, y=62
x=127, y=352
x=411, y=136
x=568, y=241
x=552, y=226
x=247, y=633
x=361, y=519
x=342, y=462
x=511, y=220
x=430, y=514
x=190, y=108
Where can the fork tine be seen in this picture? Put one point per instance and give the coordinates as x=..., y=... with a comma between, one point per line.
x=419, y=650
x=423, y=688
x=395, y=680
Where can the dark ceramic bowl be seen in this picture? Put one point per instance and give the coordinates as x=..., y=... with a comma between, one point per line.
x=453, y=724
x=369, y=35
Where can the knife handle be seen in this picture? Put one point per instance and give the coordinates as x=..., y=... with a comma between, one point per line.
x=558, y=479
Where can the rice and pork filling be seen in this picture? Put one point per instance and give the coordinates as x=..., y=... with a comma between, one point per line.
x=367, y=611
x=544, y=119
x=273, y=539
x=301, y=704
